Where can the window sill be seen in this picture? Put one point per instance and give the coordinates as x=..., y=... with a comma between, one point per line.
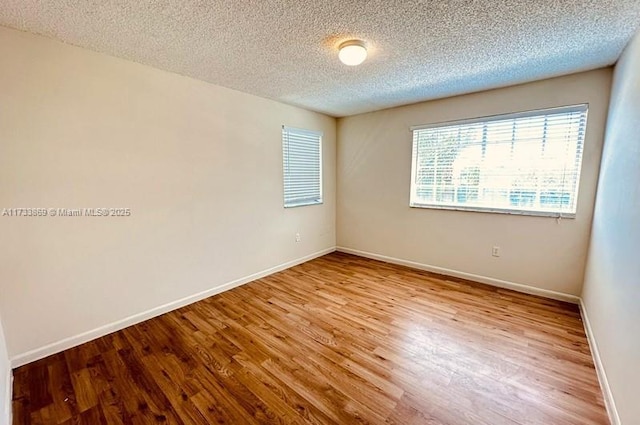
x=533, y=213
x=303, y=204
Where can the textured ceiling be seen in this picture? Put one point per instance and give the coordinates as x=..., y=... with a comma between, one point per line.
x=286, y=49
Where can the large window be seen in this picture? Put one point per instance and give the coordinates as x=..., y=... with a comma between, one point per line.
x=302, y=167
x=523, y=163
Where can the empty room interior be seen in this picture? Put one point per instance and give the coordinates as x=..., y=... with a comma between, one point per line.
x=333, y=212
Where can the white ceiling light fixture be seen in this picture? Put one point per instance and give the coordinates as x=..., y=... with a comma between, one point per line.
x=352, y=52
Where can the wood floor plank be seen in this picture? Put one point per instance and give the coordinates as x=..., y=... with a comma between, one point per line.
x=337, y=340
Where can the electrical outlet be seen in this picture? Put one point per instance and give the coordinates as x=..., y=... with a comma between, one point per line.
x=495, y=251
x=298, y=237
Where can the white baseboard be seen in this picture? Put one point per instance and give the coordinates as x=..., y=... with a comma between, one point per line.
x=66, y=343
x=609, y=401
x=469, y=276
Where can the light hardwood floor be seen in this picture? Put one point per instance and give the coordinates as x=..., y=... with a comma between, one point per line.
x=340, y=339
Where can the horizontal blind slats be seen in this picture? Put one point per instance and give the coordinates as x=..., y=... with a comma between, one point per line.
x=525, y=162
x=302, y=166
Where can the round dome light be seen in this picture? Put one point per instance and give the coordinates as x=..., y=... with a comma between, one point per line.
x=352, y=52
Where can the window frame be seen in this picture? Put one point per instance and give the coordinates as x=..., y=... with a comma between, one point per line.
x=581, y=107
x=320, y=199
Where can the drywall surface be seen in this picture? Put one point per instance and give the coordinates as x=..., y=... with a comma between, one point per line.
x=611, y=292
x=199, y=167
x=374, y=173
x=5, y=381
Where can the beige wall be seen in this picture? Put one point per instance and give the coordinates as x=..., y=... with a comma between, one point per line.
x=200, y=166
x=5, y=381
x=374, y=167
x=612, y=282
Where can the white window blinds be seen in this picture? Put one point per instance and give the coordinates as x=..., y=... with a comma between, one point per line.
x=527, y=163
x=302, y=166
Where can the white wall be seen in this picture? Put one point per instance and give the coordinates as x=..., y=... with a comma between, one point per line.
x=5, y=381
x=374, y=167
x=611, y=292
x=200, y=166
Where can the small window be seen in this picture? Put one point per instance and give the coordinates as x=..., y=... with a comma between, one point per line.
x=523, y=163
x=302, y=167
